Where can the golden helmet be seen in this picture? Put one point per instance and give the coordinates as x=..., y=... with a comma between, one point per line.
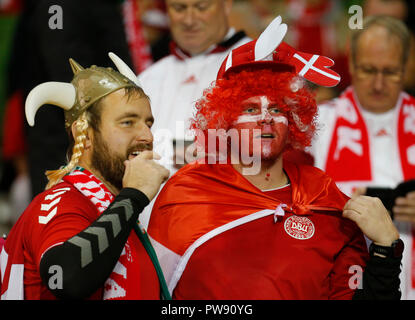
x=87, y=86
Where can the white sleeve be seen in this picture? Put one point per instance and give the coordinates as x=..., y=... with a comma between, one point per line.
x=321, y=140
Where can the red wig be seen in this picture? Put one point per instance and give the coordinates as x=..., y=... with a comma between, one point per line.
x=220, y=105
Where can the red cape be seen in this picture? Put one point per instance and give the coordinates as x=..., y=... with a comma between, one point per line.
x=203, y=197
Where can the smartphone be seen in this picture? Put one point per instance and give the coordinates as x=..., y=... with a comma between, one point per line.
x=389, y=195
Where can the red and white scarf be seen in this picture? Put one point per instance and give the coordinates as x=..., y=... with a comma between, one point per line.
x=122, y=283
x=137, y=43
x=350, y=147
x=350, y=142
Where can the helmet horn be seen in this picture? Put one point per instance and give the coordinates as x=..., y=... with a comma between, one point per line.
x=124, y=69
x=76, y=67
x=61, y=94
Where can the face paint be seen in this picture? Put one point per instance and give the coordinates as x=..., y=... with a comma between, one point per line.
x=261, y=114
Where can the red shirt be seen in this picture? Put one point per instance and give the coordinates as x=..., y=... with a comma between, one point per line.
x=58, y=214
x=280, y=266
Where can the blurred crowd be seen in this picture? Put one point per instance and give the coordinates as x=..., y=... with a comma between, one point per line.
x=138, y=30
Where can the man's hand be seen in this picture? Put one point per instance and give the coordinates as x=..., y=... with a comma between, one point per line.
x=404, y=209
x=372, y=218
x=144, y=174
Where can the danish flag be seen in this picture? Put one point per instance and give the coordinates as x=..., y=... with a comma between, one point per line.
x=312, y=67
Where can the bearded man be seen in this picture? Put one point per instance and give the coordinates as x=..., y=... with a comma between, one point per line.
x=283, y=231
x=76, y=240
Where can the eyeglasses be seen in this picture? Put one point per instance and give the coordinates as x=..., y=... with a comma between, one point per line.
x=369, y=73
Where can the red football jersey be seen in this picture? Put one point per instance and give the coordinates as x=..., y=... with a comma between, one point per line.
x=292, y=258
x=53, y=217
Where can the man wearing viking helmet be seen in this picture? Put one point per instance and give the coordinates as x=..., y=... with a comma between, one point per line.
x=76, y=239
x=284, y=231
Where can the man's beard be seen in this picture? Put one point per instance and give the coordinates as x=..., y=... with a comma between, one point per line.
x=109, y=164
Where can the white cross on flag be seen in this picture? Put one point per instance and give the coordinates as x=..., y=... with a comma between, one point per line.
x=315, y=68
x=312, y=67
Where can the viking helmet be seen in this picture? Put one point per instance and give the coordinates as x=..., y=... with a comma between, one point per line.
x=87, y=86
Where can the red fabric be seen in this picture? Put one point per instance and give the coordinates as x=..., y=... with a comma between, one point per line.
x=351, y=165
x=413, y=260
x=139, y=48
x=350, y=150
x=282, y=194
x=298, y=157
x=406, y=136
x=244, y=199
x=309, y=25
x=214, y=195
x=14, y=142
x=10, y=6
x=29, y=239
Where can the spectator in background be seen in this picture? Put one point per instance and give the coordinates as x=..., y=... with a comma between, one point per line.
x=202, y=38
x=405, y=11
x=367, y=136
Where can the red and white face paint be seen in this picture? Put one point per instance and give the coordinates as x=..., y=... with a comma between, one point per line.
x=261, y=125
x=259, y=108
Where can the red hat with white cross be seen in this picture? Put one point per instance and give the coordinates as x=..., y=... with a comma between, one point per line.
x=269, y=50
